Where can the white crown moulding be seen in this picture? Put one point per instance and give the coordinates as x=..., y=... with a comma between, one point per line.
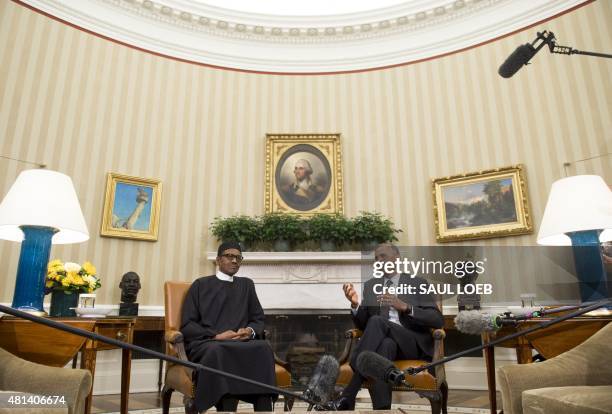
x=404, y=33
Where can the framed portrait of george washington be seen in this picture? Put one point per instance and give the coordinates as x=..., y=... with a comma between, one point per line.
x=303, y=174
x=131, y=207
x=482, y=204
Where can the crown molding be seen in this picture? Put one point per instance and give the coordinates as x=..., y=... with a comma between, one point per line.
x=407, y=32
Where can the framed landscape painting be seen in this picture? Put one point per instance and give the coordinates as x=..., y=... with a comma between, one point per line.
x=490, y=203
x=303, y=173
x=131, y=207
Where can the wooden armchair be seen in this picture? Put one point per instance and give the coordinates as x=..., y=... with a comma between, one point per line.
x=425, y=384
x=179, y=378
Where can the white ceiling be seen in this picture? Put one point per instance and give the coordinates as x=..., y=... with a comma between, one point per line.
x=287, y=37
x=300, y=7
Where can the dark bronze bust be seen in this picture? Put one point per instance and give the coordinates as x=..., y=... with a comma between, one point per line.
x=129, y=285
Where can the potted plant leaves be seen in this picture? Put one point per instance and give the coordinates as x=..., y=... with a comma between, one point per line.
x=371, y=228
x=283, y=230
x=243, y=229
x=331, y=230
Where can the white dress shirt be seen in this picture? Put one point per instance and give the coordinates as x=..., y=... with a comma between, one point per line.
x=393, y=313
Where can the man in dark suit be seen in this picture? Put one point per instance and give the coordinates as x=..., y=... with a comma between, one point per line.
x=394, y=326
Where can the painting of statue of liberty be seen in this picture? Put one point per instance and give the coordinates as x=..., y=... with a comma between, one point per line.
x=131, y=207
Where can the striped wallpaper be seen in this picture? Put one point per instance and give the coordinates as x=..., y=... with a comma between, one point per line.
x=86, y=106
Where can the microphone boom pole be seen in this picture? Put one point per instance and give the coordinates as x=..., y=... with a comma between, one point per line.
x=596, y=305
x=124, y=345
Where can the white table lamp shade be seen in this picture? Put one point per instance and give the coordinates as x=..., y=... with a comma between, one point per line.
x=577, y=203
x=43, y=198
x=605, y=235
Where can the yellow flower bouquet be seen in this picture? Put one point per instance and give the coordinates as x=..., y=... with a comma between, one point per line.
x=71, y=277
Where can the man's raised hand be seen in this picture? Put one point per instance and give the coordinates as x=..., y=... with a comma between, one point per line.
x=351, y=294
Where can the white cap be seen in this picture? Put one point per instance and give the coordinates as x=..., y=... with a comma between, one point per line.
x=577, y=203
x=43, y=198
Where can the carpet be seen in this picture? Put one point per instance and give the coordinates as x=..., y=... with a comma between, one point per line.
x=361, y=408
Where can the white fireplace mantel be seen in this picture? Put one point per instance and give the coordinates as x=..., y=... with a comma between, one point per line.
x=302, y=280
x=302, y=267
x=293, y=257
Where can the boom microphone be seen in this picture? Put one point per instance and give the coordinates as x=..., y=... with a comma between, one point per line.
x=371, y=365
x=474, y=322
x=521, y=56
x=321, y=385
x=543, y=325
x=523, y=314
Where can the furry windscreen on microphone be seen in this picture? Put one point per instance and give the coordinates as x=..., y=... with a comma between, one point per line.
x=321, y=385
x=530, y=311
x=474, y=322
x=520, y=57
x=371, y=365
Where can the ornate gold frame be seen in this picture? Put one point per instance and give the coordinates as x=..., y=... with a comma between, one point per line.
x=329, y=146
x=523, y=225
x=109, y=200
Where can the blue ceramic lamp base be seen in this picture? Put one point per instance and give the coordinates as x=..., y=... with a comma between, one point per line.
x=589, y=266
x=32, y=270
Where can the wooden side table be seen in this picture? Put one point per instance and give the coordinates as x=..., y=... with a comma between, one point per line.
x=153, y=324
x=53, y=347
x=122, y=329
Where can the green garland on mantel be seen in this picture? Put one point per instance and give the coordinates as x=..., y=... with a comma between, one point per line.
x=328, y=232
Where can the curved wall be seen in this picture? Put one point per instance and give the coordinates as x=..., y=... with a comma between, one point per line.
x=86, y=106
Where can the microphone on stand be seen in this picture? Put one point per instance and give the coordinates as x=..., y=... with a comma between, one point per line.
x=371, y=365
x=475, y=322
x=523, y=314
x=320, y=388
x=520, y=57
x=523, y=54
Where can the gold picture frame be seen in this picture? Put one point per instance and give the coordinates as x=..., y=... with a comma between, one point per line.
x=131, y=207
x=303, y=174
x=483, y=204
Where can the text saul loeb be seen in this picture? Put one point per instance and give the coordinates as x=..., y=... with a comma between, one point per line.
x=436, y=289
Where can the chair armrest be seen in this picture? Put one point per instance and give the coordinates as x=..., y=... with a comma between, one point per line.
x=353, y=333
x=351, y=338
x=24, y=376
x=346, y=352
x=174, y=337
x=175, y=344
x=281, y=362
x=438, y=334
x=438, y=354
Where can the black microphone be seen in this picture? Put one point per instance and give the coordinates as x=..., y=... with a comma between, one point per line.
x=321, y=385
x=475, y=322
x=371, y=365
x=520, y=57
